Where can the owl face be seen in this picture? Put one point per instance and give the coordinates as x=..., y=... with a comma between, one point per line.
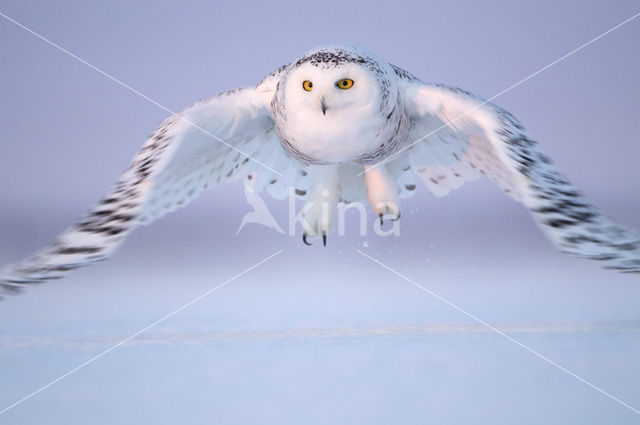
x=332, y=104
x=340, y=92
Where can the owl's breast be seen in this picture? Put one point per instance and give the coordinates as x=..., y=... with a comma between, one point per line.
x=357, y=135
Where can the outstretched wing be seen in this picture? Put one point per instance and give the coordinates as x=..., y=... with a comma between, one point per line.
x=214, y=141
x=468, y=137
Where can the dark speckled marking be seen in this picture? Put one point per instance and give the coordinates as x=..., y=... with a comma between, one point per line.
x=78, y=250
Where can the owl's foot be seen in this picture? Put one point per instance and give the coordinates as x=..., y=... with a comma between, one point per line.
x=318, y=212
x=396, y=216
x=382, y=192
x=304, y=239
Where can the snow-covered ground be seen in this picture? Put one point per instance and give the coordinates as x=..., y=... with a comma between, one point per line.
x=324, y=335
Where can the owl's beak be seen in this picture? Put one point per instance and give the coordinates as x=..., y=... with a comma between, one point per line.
x=324, y=107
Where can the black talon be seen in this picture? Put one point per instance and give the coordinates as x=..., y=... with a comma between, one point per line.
x=381, y=220
x=324, y=240
x=397, y=217
x=304, y=239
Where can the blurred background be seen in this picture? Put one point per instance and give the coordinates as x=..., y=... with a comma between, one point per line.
x=315, y=335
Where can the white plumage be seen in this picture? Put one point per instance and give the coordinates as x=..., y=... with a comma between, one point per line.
x=339, y=125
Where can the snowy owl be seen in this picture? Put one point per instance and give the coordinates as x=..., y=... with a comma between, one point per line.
x=340, y=124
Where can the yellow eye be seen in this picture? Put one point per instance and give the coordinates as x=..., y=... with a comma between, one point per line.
x=307, y=85
x=345, y=83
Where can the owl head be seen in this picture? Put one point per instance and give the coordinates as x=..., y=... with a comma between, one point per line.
x=336, y=80
x=332, y=97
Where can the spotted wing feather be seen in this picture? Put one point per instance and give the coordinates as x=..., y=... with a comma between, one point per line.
x=469, y=138
x=214, y=141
